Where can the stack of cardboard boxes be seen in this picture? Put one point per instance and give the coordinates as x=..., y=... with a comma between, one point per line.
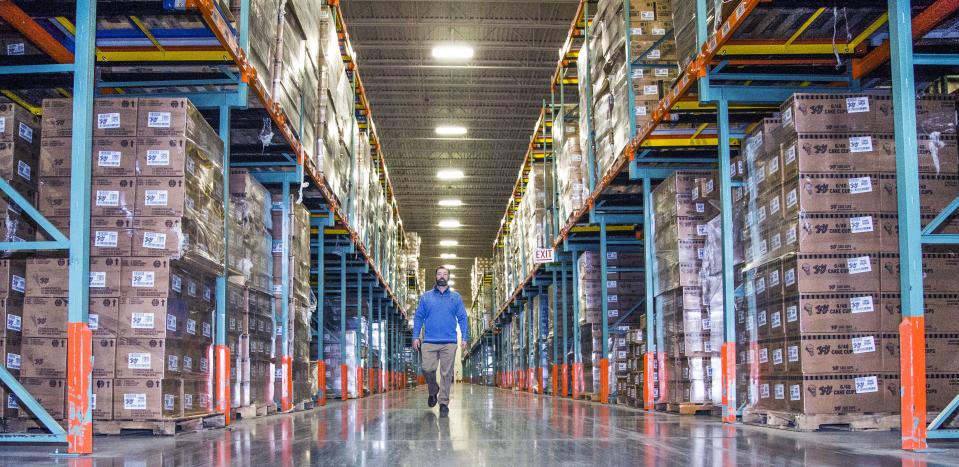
x=571, y=173
x=631, y=391
x=156, y=247
x=688, y=358
x=688, y=44
x=821, y=317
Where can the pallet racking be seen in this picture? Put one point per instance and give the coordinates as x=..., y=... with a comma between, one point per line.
x=204, y=58
x=747, y=65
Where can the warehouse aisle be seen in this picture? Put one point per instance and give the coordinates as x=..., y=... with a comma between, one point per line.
x=491, y=427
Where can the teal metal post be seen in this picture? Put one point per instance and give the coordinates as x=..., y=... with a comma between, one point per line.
x=630, y=92
x=555, y=369
x=359, y=333
x=565, y=292
x=221, y=364
x=79, y=337
x=380, y=344
x=344, y=372
x=590, y=152
x=321, y=306
x=728, y=352
x=649, y=271
x=369, y=334
x=604, y=308
x=912, y=329
x=577, y=345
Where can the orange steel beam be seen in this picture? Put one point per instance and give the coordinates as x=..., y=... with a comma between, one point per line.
x=22, y=22
x=922, y=24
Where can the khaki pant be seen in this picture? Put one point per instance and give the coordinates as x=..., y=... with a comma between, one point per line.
x=442, y=356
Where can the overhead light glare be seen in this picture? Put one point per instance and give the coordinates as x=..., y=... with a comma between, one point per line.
x=450, y=203
x=453, y=52
x=449, y=224
x=449, y=266
x=449, y=243
x=451, y=283
x=450, y=130
x=448, y=255
x=449, y=174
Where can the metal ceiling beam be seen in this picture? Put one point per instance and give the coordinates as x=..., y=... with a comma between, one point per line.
x=441, y=22
x=485, y=46
x=503, y=65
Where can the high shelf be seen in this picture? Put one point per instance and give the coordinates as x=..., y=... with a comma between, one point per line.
x=747, y=65
x=198, y=50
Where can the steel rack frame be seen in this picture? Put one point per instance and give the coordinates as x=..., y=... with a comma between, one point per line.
x=218, y=43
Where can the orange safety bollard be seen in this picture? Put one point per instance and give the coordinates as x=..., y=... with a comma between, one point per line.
x=286, y=387
x=554, y=378
x=372, y=381
x=223, y=382
x=728, y=362
x=321, y=381
x=604, y=381
x=912, y=366
x=648, y=399
x=565, y=373
x=345, y=381
x=576, y=378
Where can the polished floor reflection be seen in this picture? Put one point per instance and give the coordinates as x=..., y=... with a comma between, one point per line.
x=489, y=427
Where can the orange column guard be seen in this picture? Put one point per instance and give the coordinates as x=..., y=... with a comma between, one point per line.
x=223, y=382
x=321, y=381
x=604, y=380
x=80, y=363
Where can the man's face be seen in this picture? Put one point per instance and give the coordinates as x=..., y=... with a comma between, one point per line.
x=442, y=274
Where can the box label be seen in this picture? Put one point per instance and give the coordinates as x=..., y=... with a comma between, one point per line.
x=134, y=401
x=792, y=353
x=860, y=185
x=154, y=240
x=654, y=54
x=23, y=170
x=764, y=391
x=176, y=283
x=142, y=320
x=791, y=198
x=18, y=284
x=792, y=313
x=171, y=323
x=863, y=344
x=13, y=361
x=16, y=48
x=647, y=15
x=858, y=265
x=207, y=330
x=867, y=384
x=173, y=363
x=191, y=288
x=93, y=321
x=777, y=356
x=138, y=361
x=187, y=363
x=158, y=120
x=789, y=277
x=158, y=157
x=12, y=402
x=98, y=279
x=776, y=320
x=661, y=72
x=795, y=392
x=143, y=279
x=860, y=144
x=780, y=390
x=763, y=355
x=106, y=238
x=856, y=105
x=155, y=197
x=14, y=323
x=169, y=401
x=109, y=158
x=774, y=205
x=861, y=304
x=790, y=154
x=109, y=198
x=650, y=90
x=860, y=224
x=108, y=121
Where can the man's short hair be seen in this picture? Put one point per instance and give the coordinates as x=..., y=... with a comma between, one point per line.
x=438, y=270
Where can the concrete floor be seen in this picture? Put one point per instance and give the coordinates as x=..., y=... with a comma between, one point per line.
x=489, y=427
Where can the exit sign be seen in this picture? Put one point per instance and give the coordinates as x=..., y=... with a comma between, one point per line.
x=544, y=255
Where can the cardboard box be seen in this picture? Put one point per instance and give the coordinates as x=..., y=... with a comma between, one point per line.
x=103, y=316
x=831, y=273
x=935, y=192
x=12, y=278
x=152, y=317
x=832, y=313
x=56, y=157
x=115, y=117
x=162, y=157
x=836, y=113
x=939, y=312
x=834, y=233
x=57, y=121
x=149, y=278
x=114, y=157
x=163, y=117
x=17, y=124
x=163, y=197
x=111, y=236
x=147, y=399
x=148, y=358
x=53, y=197
x=941, y=389
x=18, y=165
x=113, y=197
x=45, y=317
x=102, y=402
x=158, y=236
x=10, y=350
x=11, y=317
x=772, y=393
x=939, y=272
x=841, y=152
x=43, y=358
x=941, y=351
x=839, y=393
x=834, y=353
x=104, y=358
x=49, y=392
x=832, y=193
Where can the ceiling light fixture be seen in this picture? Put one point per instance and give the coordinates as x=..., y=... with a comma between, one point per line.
x=450, y=174
x=451, y=130
x=449, y=267
x=451, y=283
x=450, y=203
x=453, y=52
x=449, y=243
x=449, y=224
x=448, y=255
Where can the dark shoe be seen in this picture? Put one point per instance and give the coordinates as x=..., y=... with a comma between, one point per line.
x=431, y=401
x=444, y=410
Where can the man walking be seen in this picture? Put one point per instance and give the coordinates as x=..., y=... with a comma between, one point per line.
x=440, y=310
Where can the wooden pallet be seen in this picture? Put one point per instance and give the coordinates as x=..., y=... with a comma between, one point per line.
x=689, y=408
x=159, y=427
x=803, y=422
x=250, y=411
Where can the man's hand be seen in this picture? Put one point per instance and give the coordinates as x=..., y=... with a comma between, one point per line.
x=464, y=345
x=416, y=344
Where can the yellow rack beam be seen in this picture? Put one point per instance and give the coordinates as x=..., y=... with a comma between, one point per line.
x=163, y=56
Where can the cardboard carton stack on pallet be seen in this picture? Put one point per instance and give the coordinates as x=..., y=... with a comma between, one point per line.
x=822, y=275
x=156, y=248
x=571, y=174
x=688, y=358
